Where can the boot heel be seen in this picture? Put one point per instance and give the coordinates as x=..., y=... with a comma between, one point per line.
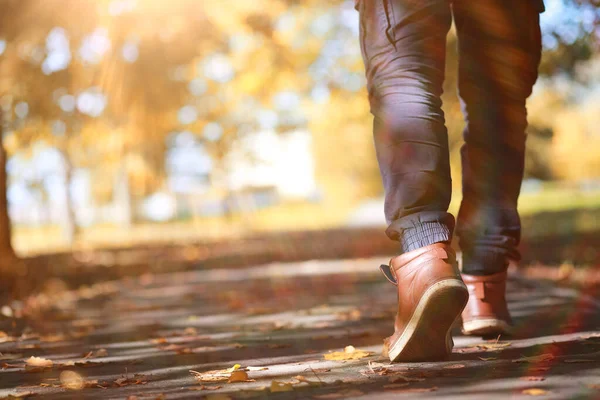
x=427, y=336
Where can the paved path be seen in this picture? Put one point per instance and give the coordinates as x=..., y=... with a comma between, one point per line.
x=142, y=337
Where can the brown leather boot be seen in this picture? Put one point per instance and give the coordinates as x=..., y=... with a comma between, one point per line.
x=486, y=312
x=431, y=295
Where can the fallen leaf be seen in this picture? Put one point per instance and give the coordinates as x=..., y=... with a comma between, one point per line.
x=18, y=395
x=454, y=366
x=190, y=331
x=221, y=375
x=319, y=370
x=533, y=378
x=303, y=379
x=161, y=340
x=53, y=338
x=239, y=376
x=137, y=379
x=101, y=353
x=256, y=368
x=67, y=364
x=281, y=387
x=487, y=358
x=6, y=311
x=72, y=380
x=493, y=346
x=234, y=368
x=535, y=359
x=349, y=353
x=535, y=392
x=39, y=362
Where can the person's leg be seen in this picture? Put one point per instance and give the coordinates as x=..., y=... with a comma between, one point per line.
x=499, y=50
x=403, y=44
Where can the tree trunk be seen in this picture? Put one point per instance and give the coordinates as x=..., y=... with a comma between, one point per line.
x=7, y=254
x=70, y=228
x=122, y=196
x=10, y=265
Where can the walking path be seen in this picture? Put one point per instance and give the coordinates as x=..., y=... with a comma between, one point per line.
x=278, y=328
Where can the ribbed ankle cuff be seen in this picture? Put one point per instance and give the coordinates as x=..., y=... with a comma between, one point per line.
x=424, y=234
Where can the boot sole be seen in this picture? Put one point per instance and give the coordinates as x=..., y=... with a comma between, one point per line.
x=428, y=336
x=486, y=327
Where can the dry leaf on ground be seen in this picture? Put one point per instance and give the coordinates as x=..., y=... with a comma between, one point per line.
x=303, y=379
x=72, y=380
x=239, y=376
x=137, y=379
x=349, y=353
x=39, y=362
x=221, y=375
x=535, y=392
x=454, y=366
x=257, y=368
x=281, y=387
x=493, y=346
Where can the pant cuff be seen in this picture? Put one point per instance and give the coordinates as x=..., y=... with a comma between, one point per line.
x=488, y=263
x=424, y=234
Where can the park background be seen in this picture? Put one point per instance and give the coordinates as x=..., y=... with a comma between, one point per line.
x=127, y=122
x=189, y=191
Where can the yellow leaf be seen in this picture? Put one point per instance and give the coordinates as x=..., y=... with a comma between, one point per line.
x=535, y=392
x=234, y=368
x=349, y=353
x=493, y=346
x=281, y=387
x=39, y=362
x=238, y=376
x=72, y=380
